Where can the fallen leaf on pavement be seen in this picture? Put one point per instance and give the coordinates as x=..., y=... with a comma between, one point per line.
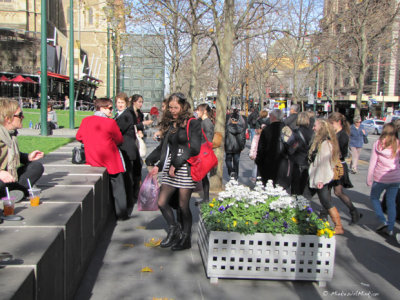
x=129, y=245
x=152, y=243
x=140, y=227
x=147, y=269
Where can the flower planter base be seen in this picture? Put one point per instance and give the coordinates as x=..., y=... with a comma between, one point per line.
x=265, y=256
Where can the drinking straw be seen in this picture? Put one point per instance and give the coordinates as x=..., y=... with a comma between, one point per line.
x=8, y=193
x=29, y=183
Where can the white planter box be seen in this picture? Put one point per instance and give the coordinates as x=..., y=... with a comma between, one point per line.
x=265, y=256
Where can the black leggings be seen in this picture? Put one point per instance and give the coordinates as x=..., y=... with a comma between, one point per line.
x=166, y=193
x=324, y=196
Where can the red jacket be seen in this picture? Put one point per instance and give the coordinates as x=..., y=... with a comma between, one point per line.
x=101, y=136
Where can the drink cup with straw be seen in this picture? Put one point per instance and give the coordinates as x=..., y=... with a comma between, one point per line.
x=34, y=194
x=8, y=204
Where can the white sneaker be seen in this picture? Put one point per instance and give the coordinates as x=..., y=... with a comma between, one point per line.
x=398, y=238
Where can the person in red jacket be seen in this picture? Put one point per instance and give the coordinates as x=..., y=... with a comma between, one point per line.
x=101, y=136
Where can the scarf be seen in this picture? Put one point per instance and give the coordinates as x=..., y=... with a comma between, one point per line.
x=9, y=138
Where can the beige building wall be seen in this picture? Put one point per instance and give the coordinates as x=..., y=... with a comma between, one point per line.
x=90, y=36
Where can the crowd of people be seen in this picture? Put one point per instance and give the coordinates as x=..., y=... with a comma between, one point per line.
x=313, y=163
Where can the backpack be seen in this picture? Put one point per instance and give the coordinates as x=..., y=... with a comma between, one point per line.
x=288, y=141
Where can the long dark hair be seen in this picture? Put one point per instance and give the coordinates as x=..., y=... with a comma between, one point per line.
x=207, y=108
x=184, y=115
x=338, y=117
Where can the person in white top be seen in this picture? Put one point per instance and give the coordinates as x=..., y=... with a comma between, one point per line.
x=323, y=154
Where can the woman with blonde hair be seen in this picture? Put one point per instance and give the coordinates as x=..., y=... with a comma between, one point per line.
x=384, y=174
x=323, y=155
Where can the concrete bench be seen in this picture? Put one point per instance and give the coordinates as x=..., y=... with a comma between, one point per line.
x=75, y=203
x=40, y=250
x=17, y=283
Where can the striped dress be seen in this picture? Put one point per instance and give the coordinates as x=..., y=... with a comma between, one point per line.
x=182, y=178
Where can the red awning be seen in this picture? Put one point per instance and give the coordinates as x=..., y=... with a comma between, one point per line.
x=56, y=75
x=4, y=79
x=30, y=80
x=19, y=79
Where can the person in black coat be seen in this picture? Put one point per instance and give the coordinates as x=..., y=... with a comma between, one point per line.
x=273, y=164
x=180, y=141
x=342, y=129
x=299, y=158
x=129, y=150
x=235, y=141
x=140, y=123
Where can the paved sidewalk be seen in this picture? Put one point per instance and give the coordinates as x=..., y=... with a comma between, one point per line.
x=60, y=132
x=367, y=264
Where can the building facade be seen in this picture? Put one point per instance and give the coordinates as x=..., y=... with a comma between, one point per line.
x=143, y=68
x=20, y=31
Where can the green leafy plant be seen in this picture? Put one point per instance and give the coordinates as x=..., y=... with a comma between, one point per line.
x=266, y=209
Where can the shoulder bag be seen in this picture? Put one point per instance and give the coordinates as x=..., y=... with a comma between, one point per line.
x=140, y=145
x=78, y=155
x=202, y=163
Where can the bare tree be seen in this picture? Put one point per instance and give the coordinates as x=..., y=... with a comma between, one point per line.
x=352, y=36
x=231, y=22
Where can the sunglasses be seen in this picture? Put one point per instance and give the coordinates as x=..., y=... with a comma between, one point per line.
x=109, y=107
x=20, y=115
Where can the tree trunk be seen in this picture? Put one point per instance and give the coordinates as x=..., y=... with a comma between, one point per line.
x=193, y=74
x=363, y=69
x=225, y=47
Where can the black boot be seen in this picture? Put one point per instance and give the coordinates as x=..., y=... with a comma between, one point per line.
x=184, y=243
x=179, y=218
x=355, y=216
x=172, y=236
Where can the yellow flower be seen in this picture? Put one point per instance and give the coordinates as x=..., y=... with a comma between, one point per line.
x=247, y=223
x=327, y=224
x=234, y=223
x=320, y=232
x=211, y=204
x=294, y=220
x=214, y=200
x=330, y=233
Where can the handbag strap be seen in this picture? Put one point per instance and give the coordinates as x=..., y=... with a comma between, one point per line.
x=187, y=131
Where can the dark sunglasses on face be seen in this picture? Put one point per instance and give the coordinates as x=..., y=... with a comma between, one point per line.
x=20, y=115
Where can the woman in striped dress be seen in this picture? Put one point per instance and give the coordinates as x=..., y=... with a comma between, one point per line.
x=178, y=145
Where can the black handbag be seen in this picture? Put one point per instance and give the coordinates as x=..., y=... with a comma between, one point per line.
x=365, y=139
x=78, y=155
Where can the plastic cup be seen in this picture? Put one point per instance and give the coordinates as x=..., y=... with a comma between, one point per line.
x=8, y=205
x=34, y=196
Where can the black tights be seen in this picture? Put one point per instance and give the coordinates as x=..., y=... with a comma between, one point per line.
x=166, y=192
x=338, y=190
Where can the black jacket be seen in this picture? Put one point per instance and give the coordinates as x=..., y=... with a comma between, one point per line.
x=178, y=144
x=271, y=161
x=235, y=137
x=343, y=141
x=125, y=123
x=300, y=157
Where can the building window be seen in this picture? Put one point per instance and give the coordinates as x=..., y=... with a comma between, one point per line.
x=90, y=16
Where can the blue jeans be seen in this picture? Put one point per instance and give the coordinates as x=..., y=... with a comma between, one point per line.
x=391, y=192
x=252, y=134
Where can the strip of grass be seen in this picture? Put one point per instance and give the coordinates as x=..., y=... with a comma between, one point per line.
x=46, y=144
x=62, y=117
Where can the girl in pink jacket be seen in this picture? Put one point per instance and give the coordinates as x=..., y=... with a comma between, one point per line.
x=384, y=174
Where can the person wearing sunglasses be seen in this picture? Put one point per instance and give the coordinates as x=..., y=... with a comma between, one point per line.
x=101, y=137
x=15, y=167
